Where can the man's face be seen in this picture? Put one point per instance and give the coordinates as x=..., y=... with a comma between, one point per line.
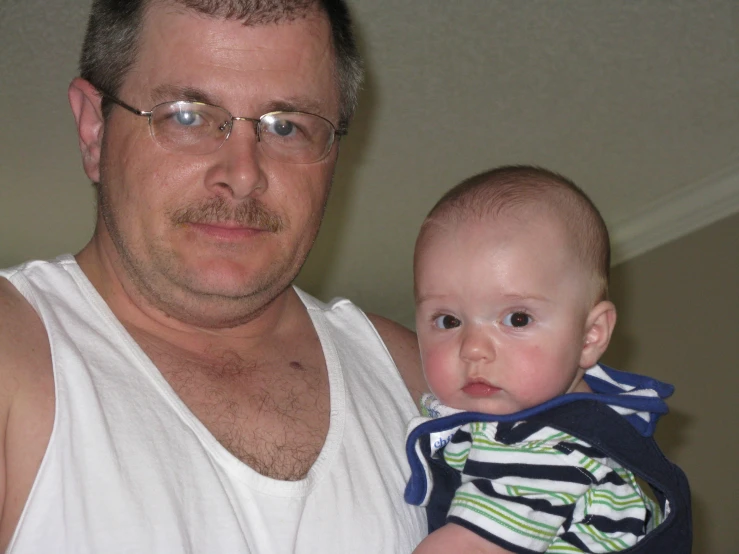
x=501, y=312
x=226, y=232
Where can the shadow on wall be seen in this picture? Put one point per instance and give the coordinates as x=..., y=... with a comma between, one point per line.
x=323, y=257
x=673, y=429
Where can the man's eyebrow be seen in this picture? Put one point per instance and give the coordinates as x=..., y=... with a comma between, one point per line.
x=296, y=104
x=164, y=93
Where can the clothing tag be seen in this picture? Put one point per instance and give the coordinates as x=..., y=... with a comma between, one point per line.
x=440, y=439
x=431, y=407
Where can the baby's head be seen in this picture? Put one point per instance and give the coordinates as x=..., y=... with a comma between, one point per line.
x=511, y=284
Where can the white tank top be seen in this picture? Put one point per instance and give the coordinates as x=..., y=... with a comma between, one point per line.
x=130, y=469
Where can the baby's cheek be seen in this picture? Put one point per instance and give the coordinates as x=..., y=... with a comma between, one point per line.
x=440, y=382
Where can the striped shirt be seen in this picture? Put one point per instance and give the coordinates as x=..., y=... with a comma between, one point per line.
x=532, y=488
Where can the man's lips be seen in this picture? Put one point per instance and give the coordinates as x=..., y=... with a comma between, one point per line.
x=479, y=388
x=226, y=230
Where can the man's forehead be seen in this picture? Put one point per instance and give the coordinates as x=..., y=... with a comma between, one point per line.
x=183, y=48
x=230, y=37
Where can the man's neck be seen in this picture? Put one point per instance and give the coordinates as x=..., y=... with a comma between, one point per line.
x=135, y=311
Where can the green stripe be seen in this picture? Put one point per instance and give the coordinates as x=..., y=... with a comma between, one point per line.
x=508, y=518
x=520, y=490
x=590, y=464
x=538, y=537
x=607, y=498
x=616, y=507
x=556, y=436
x=452, y=455
x=492, y=446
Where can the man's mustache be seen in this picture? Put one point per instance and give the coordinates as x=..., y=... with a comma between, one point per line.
x=249, y=213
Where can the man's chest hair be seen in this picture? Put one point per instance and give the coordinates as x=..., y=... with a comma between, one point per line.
x=269, y=408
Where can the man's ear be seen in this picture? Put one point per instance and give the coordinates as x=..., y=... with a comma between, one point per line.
x=85, y=101
x=598, y=329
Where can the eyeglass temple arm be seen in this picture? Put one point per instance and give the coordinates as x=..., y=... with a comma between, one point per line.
x=122, y=104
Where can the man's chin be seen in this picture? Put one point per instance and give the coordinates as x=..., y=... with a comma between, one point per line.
x=215, y=300
x=228, y=281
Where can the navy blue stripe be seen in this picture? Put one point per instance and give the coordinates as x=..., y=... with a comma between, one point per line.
x=568, y=447
x=571, y=538
x=613, y=478
x=608, y=525
x=516, y=432
x=461, y=436
x=557, y=473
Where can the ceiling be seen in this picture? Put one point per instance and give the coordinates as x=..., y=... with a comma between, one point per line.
x=635, y=101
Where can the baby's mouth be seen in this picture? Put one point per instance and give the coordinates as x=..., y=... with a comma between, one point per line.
x=479, y=387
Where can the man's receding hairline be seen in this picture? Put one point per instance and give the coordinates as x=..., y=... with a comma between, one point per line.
x=292, y=10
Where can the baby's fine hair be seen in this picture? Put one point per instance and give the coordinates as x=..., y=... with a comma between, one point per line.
x=492, y=192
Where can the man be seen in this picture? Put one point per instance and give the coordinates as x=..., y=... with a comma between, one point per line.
x=167, y=390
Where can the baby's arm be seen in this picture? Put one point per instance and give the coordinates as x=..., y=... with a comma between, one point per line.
x=455, y=538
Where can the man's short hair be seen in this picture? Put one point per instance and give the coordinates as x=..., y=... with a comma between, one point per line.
x=518, y=186
x=114, y=28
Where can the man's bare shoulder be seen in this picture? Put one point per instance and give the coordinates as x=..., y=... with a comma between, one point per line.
x=403, y=346
x=25, y=357
x=23, y=339
x=26, y=402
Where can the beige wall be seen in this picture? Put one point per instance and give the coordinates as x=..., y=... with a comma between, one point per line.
x=679, y=322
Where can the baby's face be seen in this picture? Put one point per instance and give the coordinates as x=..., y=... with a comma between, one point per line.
x=501, y=310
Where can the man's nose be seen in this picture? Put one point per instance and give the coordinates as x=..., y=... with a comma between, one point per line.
x=239, y=168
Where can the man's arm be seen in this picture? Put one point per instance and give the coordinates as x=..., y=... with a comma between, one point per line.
x=403, y=347
x=26, y=403
x=8, y=387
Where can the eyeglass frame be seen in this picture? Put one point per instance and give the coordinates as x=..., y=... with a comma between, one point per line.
x=335, y=136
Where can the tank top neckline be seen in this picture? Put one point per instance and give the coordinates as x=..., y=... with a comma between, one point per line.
x=238, y=469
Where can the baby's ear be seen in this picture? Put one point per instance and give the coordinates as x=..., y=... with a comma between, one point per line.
x=598, y=329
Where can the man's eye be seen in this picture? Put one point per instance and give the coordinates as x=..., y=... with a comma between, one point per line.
x=517, y=319
x=188, y=118
x=282, y=127
x=447, y=322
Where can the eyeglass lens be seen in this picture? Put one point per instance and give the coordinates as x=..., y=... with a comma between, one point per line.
x=198, y=128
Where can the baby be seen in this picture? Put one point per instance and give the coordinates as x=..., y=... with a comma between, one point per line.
x=512, y=315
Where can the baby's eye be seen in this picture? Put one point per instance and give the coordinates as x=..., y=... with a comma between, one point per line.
x=517, y=319
x=447, y=322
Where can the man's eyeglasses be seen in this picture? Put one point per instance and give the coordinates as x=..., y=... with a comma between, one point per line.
x=199, y=128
